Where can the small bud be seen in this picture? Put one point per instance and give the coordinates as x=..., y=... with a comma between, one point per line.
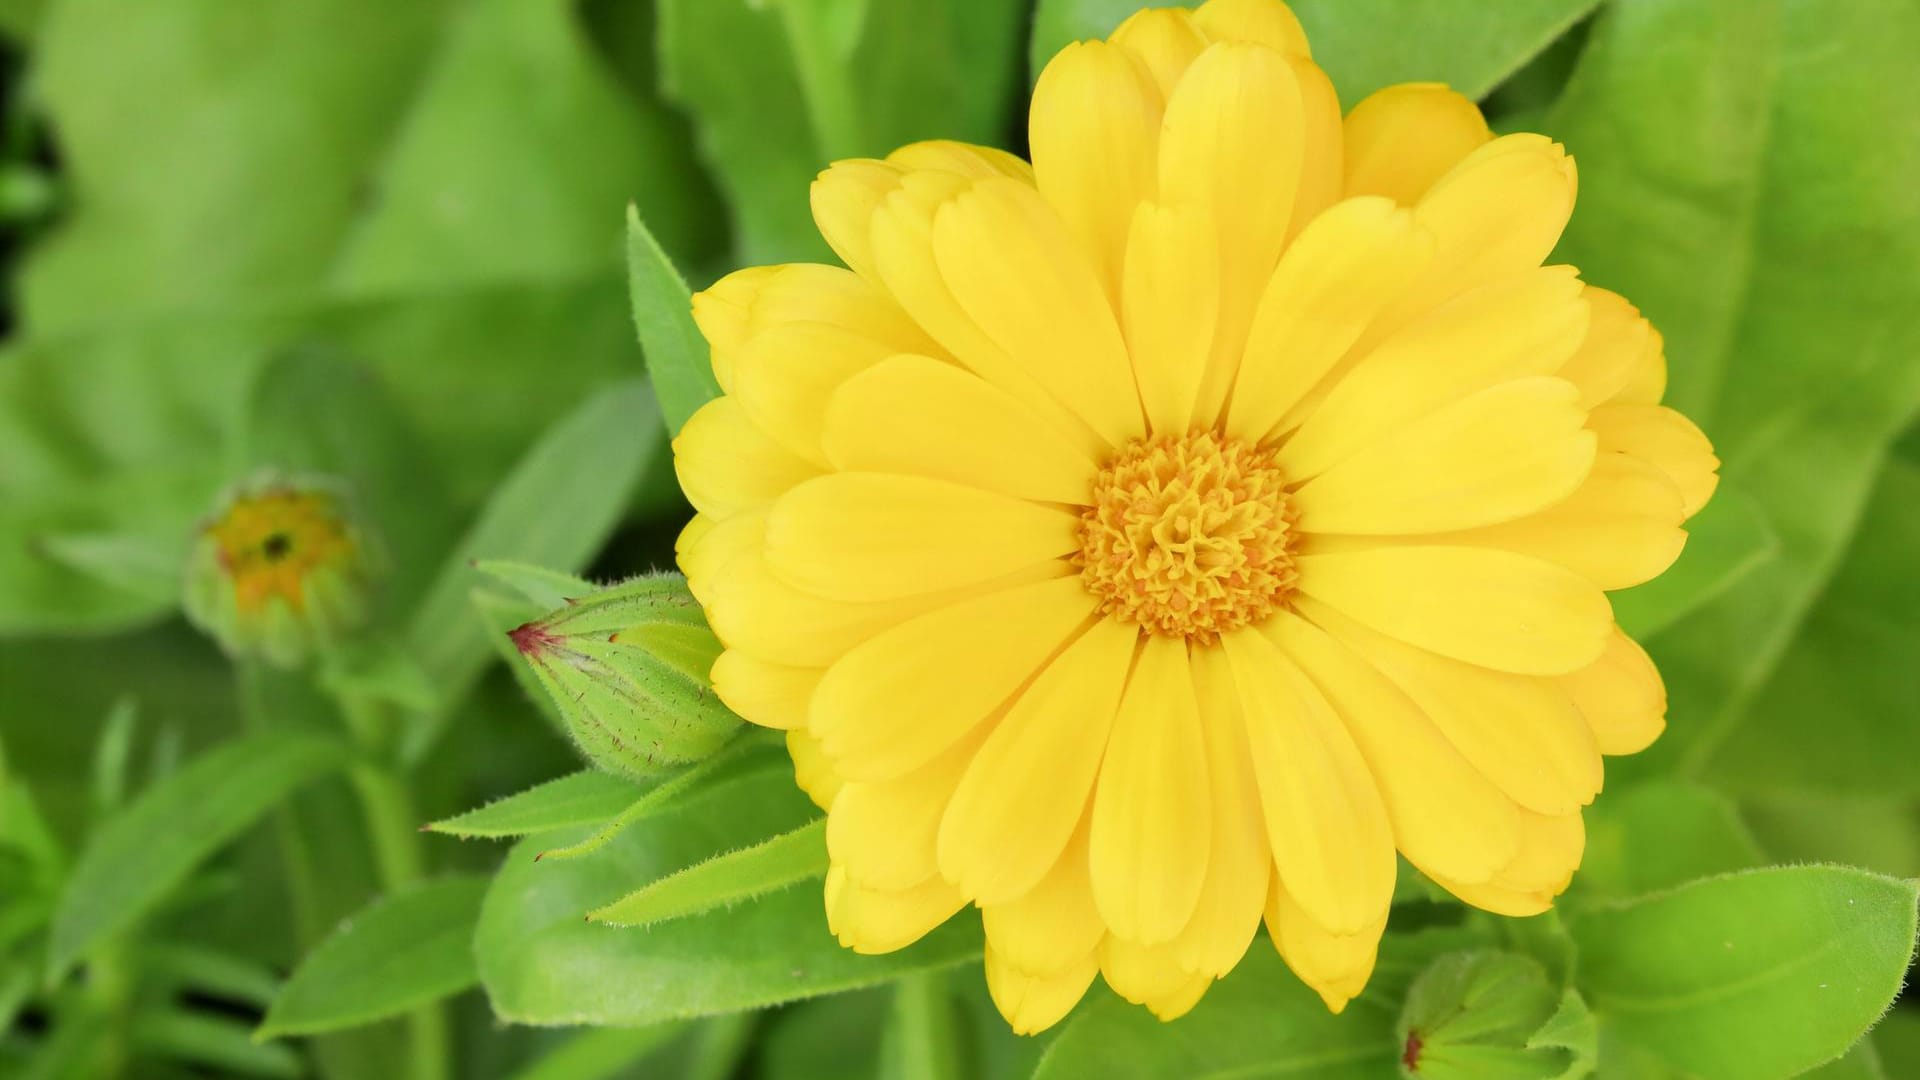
x=1473, y=1015
x=281, y=571
x=627, y=665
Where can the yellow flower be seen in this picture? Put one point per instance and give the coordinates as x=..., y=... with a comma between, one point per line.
x=1158, y=537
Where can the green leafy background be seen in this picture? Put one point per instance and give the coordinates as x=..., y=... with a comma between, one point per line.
x=410, y=244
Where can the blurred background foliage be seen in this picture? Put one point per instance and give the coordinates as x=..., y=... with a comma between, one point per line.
x=384, y=241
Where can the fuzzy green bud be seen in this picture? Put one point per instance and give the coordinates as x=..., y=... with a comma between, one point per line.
x=281, y=570
x=627, y=665
x=1491, y=1015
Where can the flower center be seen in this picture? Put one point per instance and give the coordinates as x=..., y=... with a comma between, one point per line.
x=270, y=542
x=1188, y=536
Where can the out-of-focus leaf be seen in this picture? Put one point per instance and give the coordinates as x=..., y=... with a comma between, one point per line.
x=136, y=858
x=724, y=880
x=1898, y=1041
x=1860, y=1063
x=676, y=354
x=213, y=1042
x=403, y=951
x=1850, y=664
x=1727, y=541
x=557, y=508
x=542, y=964
x=209, y=972
x=1659, y=835
x=110, y=756
x=1864, y=828
x=1367, y=44
x=1788, y=289
x=921, y=1041
x=1758, y=974
x=588, y=797
x=777, y=91
x=538, y=585
x=517, y=155
x=216, y=150
x=601, y=1053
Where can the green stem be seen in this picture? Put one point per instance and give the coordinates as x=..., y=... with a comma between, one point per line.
x=824, y=88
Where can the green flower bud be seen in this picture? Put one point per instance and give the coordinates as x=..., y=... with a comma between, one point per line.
x=1491, y=1015
x=281, y=571
x=627, y=665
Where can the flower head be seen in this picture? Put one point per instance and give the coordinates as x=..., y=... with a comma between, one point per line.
x=280, y=570
x=1154, y=539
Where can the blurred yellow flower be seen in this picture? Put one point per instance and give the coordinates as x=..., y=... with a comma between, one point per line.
x=1160, y=536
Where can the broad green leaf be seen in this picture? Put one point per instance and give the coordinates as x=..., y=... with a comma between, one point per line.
x=1366, y=44
x=255, y=120
x=602, y=1053
x=921, y=1041
x=135, y=859
x=830, y=79
x=746, y=759
x=542, y=963
x=403, y=951
x=213, y=1042
x=1757, y=974
x=556, y=509
x=1851, y=664
x=587, y=797
x=1659, y=835
x=491, y=181
x=1706, y=132
x=536, y=584
x=724, y=880
x=677, y=361
x=1726, y=542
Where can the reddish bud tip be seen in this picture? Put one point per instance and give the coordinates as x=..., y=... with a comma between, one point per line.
x=530, y=638
x=1411, y=1056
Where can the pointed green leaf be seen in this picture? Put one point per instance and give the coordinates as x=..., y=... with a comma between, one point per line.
x=676, y=354
x=724, y=880
x=1757, y=974
x=587, y=797
x=214, y=1042
x=548, y=589
x=134, y=860
x=403, y=951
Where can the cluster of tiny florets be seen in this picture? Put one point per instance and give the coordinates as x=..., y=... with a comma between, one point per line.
x=1188, y=535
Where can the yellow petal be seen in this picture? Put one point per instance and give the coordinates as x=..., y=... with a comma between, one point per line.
x=1621, y=527
x=1522, y=733
x=1498, y=212
x=895, y=702
x=743, y=304
x=1232, y=145
x=771, y=695
x=1018, y=274
x=1164, y=40
x=1614, y=350
x=1347, y=265
x=1670, y=441
x=726, y=464
x=752, y=610
x=1527, y=324
x=724, y=314
x=1033, y=1003
x=876, y=536
x=872, y=921
x=904, y=258
x=1029, y=785
x=1054, y=925
x=1550, y=851
x=1401, y=139
x=1238, y=863
x=1336, y=966
x=1169, y=303
x=844, y=198
x=1094, y=126
x=1648, y=383
x=884, y=831
x=1151, y=975
x=1621, y=696
x=1500, y=454
x=1151, y=817
x=1332, y=844
x=924, y=417
x=1321, y=157
x=705, y=557
x=812, y=772
x=1493, y=608
x=1445, y=814
x=786, y=375
x=1265, y=22
x=961, y=159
